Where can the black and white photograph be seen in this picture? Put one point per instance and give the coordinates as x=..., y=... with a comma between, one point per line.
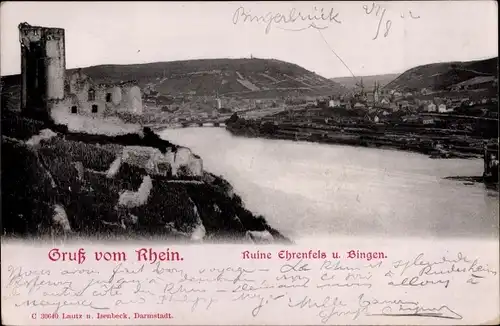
x=258, y=122
x=249, y=163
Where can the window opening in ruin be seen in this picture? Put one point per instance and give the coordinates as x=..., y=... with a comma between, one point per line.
x=36, y=73
x=108, y=97
x=91, y=95
x=74, y=109
x=94, y=108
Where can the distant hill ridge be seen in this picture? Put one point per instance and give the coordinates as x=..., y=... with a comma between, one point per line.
x=252, y=78
x=441, y=76
x=368, y=81
x=237, y=78
x=231, y=77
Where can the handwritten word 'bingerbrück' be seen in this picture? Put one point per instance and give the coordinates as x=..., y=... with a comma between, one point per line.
x=317, y=18
x=291, y=17
x=324, y=290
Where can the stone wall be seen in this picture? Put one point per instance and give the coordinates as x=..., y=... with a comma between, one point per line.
x=56, y=63
x=179, y=163
x=100, y=100
x=131, y=100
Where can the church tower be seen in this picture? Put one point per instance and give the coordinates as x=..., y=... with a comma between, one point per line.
x=376, y=93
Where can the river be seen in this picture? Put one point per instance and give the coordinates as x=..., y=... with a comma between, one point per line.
x=309, y=189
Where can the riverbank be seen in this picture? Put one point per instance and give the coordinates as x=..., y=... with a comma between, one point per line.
x=307, y=189
x=61, y=183
x=436, y=145
x=471, y=180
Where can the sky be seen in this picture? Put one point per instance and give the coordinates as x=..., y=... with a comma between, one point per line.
x=333, y=39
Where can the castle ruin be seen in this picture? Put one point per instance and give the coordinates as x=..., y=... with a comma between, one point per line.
x=46, y=88
x=43, y=63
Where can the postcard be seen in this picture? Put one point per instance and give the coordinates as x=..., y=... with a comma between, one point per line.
x=249, y=163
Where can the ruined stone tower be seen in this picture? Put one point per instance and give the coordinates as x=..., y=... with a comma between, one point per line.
x=43, y=66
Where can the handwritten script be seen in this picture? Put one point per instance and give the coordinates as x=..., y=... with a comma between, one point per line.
x=383, y=22
x=317, y=18
x=314, y=291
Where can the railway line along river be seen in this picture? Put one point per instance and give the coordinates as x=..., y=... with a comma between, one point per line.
x=308, y=189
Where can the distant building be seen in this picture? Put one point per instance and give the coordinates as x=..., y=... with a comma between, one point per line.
x=394, y=107
x=376, y=92
x=403, y=104
x=410, y=118
x=425, y=91
x=334, y=103
x=385, y=101
x=437, y=100
x=442, y=108
x=359, y=105
x=431, y=107
x=323, y=103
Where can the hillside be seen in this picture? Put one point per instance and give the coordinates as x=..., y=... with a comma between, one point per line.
x=439, y=76
x=57, y=182
x=239, y=77
x=368, y=81
x=233, y=78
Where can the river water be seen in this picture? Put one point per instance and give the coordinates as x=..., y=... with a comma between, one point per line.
x=308, y=189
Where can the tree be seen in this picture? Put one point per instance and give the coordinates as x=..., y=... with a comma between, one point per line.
x=269, y=128
x=233, y=118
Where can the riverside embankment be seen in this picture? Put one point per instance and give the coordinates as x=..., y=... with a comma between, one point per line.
x=437, y=143
x=313, y=189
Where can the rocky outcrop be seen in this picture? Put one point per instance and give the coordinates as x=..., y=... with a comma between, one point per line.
x=61, y=219
x=198, y=232
x=44, y=134
x=183, y=161
x=179, y=162
x=130, y=199
x=56, y=182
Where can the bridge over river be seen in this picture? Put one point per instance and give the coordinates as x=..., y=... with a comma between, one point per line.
x=190, y=124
